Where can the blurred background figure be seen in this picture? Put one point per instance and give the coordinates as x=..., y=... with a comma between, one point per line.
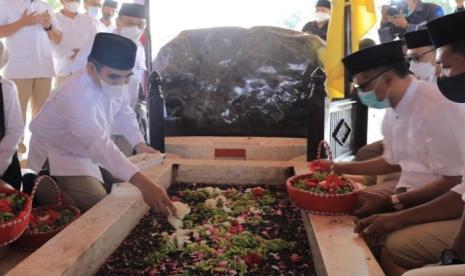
x=460, y=6
x=108, y=12
x=93, y=9
x=30, y=30
x=78, y=31
x=319, y=27
x=11, y=128
x=403, y=16
x=131, y=24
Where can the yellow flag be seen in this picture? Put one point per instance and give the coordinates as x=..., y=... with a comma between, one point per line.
x=363, y=14
x=363, y=17
x=335, y=51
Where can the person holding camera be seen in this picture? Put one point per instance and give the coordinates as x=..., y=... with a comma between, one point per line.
x=319, y=26
x=403, y=16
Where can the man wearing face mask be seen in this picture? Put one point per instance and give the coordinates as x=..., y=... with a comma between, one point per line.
x=319, y=27
x=108, y=11
x=78, y=31
x=11, y=128
x=421, y=55
x=406, y=16
x=413, y=131
x=92, y=8
x=417, y=235
x=448, y=37
x=131, y=24
x=73, y=130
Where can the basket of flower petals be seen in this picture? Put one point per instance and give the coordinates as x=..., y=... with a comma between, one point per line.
x=15, y=210
x=46, y=221
x=322, y=191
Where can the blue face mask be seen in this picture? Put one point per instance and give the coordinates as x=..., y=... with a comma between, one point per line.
x=369, y=99
x=93, y=11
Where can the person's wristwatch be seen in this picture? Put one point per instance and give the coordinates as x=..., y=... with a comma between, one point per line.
x=396, y=204
x=49, y=28
x=449, y=257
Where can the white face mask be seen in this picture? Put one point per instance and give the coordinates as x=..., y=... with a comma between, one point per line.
x=321, y=16
x=4, y=55
x=112, y=91
x=423, y=70
x=93, y=12
x=133, y=33
x=72, y=7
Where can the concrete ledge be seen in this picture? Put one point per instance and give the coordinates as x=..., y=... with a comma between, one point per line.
x=256, y=148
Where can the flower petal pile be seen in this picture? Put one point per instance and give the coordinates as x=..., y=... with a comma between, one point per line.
x=227, y=231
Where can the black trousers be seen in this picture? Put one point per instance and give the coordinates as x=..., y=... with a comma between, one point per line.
x=12, y=175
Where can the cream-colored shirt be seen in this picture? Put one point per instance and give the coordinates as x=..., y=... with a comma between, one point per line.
x=14, y=124
x=77, y=33
x=417, y=136
x=30, y=47
x=73, y=130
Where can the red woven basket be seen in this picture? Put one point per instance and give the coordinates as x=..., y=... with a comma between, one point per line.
x=32, y=240
x=327, y=204
x=11, y=230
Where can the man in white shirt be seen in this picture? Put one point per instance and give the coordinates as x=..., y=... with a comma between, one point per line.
x=418, y=235
x=449, y=40
x=30, y=30
x=78, y=31
x=93, y=9
x=421, y=55
x=11, y=128
x=108, y=11
x=131, y=24
x=73, y=129
x=417, y=140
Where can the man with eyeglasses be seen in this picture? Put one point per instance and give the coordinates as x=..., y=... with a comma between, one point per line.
x=421, y=55
x=417, y=141
x=450, y=50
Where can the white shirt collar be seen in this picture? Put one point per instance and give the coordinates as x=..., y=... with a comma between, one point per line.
x=405, y=103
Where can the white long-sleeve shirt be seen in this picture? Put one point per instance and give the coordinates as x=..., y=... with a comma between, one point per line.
x=417, y=136
x=73, y=131
x=139, y=70
x=77, y=33
x=30, y=47
x=14, y=124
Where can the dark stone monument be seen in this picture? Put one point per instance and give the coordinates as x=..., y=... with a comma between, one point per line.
x=233, y=81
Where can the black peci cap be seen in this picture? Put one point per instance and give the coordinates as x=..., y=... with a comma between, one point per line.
x=418, y=39
x=133, y=10
x=448, y=29
x=114, y=51
x=110, y=3
x=386, y=54
x=323, y=3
